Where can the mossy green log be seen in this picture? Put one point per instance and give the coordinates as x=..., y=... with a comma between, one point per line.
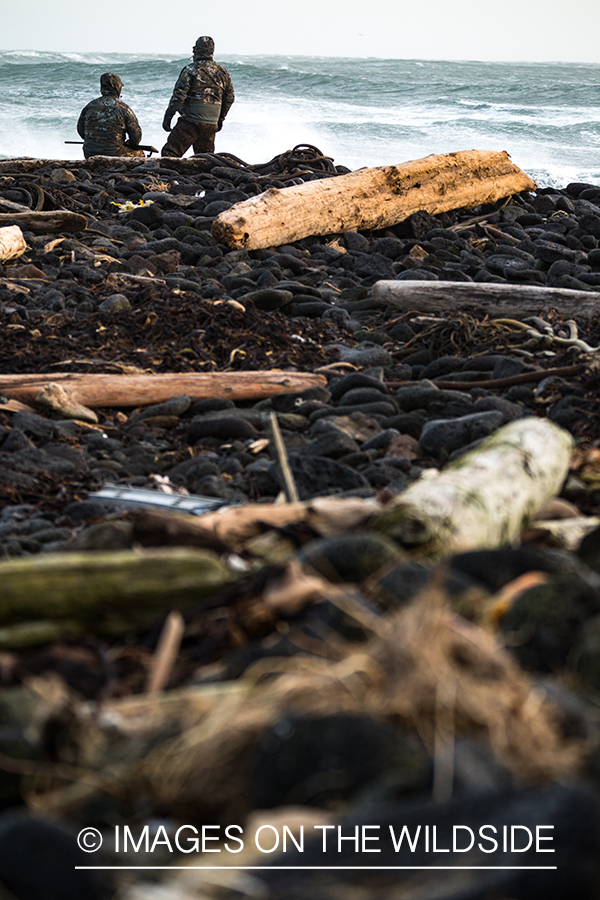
x=115, y=590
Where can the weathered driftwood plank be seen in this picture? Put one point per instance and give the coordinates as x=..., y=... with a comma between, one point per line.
x=144, y=390
x=487, y=497
x=46, y=222
x=14, y=406
x=10, y=206
x=12, y=243
x=491, y=299
x=125, y=586
x=371, y=198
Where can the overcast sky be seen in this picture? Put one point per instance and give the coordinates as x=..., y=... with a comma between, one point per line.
x=552, y=30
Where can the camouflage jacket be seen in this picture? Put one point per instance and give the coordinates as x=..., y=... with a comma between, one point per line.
x=202, y=93
x=105, y=124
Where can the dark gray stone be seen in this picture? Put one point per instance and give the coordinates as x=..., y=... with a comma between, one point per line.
x=177, y=406
x=424, y=394
x=316, y=476
x=374, y=265
x=269, y=299
x=361, y=395
x=356, y=243
x=333, y=444
x=224, y=427
x=446, y=435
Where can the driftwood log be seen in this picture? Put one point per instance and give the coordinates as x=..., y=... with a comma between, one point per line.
x=45, y=222
x=489, y=298
x=12, y=243
x=10, y=206
x=117, y=589
x=370, y=198
x=487, y=497
x=145, y=390
x=191, y=165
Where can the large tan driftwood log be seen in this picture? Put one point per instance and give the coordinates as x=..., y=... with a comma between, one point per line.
x=144, y=390
x=489, y=298
x=46, y=222
x=370, y=198
x=120, y=589
x=486, y=497
x=12, y=243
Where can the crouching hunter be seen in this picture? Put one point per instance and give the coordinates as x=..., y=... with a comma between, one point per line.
x=202, y=96
x=107, y=125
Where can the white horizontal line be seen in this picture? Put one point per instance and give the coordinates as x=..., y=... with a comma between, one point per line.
x=337, y=868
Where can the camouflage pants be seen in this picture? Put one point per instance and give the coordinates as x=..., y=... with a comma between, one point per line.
x=185, y=134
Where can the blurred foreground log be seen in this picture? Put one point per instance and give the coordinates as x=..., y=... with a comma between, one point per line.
x=46, y=222
x=485, y=498
x=492, y=299
x=145, y=390
x=371, y=198
x=12, y=243
x=114, y=590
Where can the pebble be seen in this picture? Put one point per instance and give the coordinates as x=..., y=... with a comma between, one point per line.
x=446, y=435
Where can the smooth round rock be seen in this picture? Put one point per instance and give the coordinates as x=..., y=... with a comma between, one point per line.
x=351, y=557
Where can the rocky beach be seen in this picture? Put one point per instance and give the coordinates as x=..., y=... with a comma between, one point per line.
x=291, y=653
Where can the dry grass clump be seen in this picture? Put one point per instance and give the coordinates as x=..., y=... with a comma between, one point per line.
x=424, y=668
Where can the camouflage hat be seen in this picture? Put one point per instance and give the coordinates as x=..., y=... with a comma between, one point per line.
x=204, y=47
x=110, y=84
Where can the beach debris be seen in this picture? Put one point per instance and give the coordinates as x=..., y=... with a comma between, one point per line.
x=487, y=496
x=371, y=198
x=12, y=243
x=112, y=590
x=57, y=400
x=494, y=299
x=45, y=222
x=205, y=770
x=146, y=389
x=143, y=497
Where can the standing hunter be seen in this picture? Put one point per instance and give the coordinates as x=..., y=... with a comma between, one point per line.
x=107, y=125
x=202, y=96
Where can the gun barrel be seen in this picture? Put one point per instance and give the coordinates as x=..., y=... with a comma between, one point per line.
x=147, y=147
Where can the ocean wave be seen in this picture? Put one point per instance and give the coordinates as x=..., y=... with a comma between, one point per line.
x=360, y=111
x=42, y=57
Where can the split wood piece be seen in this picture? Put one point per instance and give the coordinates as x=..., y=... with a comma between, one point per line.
x=370, y=198
x=57, y=400
x=486, y=498
x=12, y=243
x=11, y=206
x=166, y=652
x=160, y=529
x=491, y=299
x=145, y=390
x=324, y=515
x=114, y=590
x=46, y=222
x=564, y=533
x=15, y=406
x=286, y=477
